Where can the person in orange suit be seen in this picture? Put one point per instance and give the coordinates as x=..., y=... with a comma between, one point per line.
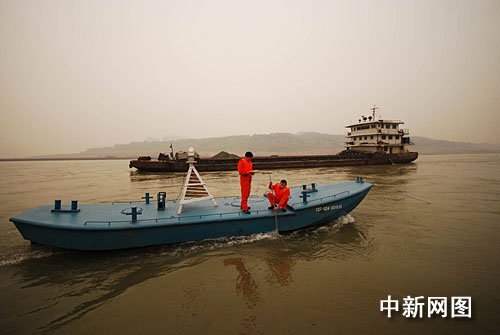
x=279, y=195
x=245, y=169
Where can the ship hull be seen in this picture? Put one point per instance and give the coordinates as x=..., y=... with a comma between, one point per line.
x=105, y=227
x=278, y=162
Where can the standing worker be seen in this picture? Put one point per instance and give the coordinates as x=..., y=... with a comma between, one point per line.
x=279, y=195
x=245, y=169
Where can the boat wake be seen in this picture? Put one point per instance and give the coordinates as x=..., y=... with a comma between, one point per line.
x=331, y=228
x=225, y=242
x=345, y=219
x=220, y=243
x=26, y=256
x=189, y=248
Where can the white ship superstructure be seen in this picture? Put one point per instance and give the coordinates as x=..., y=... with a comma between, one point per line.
x=373, y=134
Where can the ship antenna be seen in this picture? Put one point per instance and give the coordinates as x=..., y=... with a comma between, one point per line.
x=373, y=109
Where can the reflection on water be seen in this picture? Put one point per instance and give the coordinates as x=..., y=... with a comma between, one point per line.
x=246, y=287
x=339, y=240
x=70, y=284
x=280, y=264
x=245, y=284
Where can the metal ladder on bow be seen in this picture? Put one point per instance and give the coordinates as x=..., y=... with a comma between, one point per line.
x=194, y=188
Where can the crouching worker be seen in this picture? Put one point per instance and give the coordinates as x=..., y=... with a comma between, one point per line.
x=279, y=195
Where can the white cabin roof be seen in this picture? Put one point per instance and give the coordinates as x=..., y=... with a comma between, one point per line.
x=375, y=122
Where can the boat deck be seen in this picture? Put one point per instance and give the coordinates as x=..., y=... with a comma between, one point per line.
x=114, y=216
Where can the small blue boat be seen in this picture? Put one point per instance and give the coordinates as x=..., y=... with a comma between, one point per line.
x=148, y=223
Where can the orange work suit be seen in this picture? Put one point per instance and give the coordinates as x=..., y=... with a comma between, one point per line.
x=280, y=196
x=244, y=169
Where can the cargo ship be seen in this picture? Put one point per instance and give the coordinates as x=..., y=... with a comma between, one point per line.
x=370, y=141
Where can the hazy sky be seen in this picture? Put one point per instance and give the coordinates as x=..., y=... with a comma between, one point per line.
x=81, y=74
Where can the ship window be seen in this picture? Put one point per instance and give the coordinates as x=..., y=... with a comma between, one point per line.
x=383, y=137
x=394, y=126
x=371, y=137
x=372, y=126
x=366, y=137
x=390, y=137
x=387, y=126
x=397, y=137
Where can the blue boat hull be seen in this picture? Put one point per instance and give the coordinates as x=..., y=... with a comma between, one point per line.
x=104, y=227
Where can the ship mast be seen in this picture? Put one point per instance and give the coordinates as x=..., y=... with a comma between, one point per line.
x=373, y=109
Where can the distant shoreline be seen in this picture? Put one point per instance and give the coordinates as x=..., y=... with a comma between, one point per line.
x=263, y=144
x=63, y=159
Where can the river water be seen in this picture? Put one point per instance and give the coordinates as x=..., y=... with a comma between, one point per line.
x=428, y=229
